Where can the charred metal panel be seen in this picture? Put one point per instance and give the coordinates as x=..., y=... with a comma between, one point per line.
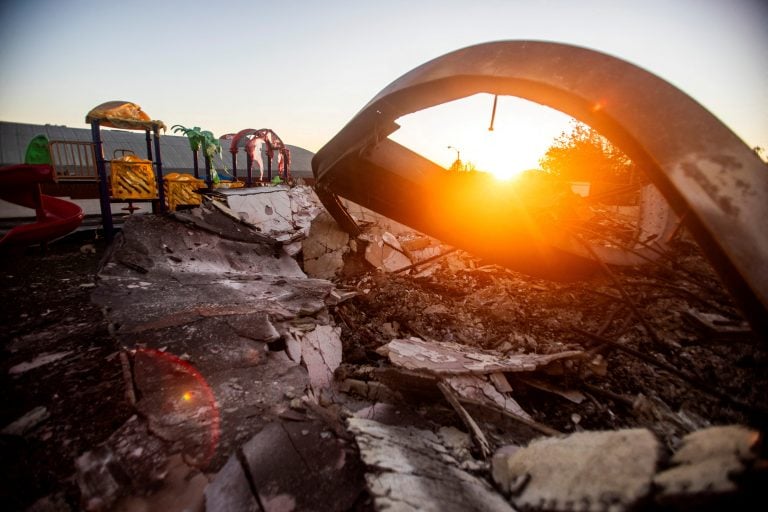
x=703, y=169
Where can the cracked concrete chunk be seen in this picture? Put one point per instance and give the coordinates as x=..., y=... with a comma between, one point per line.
x=282, y=213
x=255, y=326
x=592, y=470
x=41, y=360
x=324, y=248
x=409, y=469
x=321, y=353
x=384, y=252
x=266, y=208
x=27, y=422
x=447, y=358
x=708, y=464
x=129, y=462
x=301, y=466
x=723, y=441
x=480, y=389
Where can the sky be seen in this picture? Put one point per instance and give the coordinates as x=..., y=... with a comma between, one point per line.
x=304, y=68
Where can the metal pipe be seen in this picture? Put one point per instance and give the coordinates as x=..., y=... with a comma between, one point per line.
x=493, y=113
x=249, y=167
x=159, y=169
x=106, y=207
x=149, y=145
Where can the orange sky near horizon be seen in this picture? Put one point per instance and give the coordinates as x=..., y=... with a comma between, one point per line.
x=523, y=131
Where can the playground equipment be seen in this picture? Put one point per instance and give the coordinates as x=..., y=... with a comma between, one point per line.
x=81, y=170
x=131, y=178
x=126, y=116
x=181, y=189
x=253, y=142
x=205, y=140
x=20, y=184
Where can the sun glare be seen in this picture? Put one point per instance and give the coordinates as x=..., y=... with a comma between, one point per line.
x=522, y=133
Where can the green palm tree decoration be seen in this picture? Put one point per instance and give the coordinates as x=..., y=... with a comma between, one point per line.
x=199, y=138
x=195, y=135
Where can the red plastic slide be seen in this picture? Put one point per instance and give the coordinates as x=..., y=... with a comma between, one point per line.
x=20, y=184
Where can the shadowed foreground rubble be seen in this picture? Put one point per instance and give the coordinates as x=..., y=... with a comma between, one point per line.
x=249, y=365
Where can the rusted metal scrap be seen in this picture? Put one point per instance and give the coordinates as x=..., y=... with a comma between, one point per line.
x=701, y=167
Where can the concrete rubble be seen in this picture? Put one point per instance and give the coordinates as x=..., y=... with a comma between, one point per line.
x=587, y=471
x=27, y=422
x=620, y=470
x=291, y=466
x=455, y=359
x=384, y=244
x=410, y=469
x=245, y=399
x=709, y=464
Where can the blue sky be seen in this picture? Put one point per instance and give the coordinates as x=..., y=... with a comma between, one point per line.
x=304, y=68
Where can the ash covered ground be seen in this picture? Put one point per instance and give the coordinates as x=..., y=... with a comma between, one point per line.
x=686, y=361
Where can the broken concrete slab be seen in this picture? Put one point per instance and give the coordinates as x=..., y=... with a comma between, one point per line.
x=280, y=212
x=266, y=208
x=27, y=422
x=160, y=244
x=212, y=217
x=41, y=360
x=230, y=490
x=302, y=466
x=448, y=358
x=479, y=388
x=410, y=469
x=215, y=309
x=384, y=252
x=365, y=216
x=129, y=462
x=590, y=471
x=321, y=354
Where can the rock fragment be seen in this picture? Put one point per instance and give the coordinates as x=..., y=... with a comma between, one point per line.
x=707, y=465
x=589, y=471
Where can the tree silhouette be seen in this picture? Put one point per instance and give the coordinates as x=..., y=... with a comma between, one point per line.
x=582, y=154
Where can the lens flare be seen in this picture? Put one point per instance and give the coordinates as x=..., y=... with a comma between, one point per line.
x=185, y=386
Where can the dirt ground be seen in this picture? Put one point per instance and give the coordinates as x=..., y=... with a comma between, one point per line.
x=676, y=375
x=47, y=310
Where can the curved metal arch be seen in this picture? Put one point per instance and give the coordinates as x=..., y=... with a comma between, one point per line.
x=241, y=138
x=702, y=168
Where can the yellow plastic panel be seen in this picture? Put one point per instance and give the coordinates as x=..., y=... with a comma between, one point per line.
x=180, y=190
x=133, y=178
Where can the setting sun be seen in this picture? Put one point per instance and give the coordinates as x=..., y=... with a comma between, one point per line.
x=522, y=133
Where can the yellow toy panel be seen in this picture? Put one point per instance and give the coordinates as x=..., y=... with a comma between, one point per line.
x=229, y=184
x=180, y=190
x=132, y=178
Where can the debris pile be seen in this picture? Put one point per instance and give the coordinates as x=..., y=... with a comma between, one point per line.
x=274, y=362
